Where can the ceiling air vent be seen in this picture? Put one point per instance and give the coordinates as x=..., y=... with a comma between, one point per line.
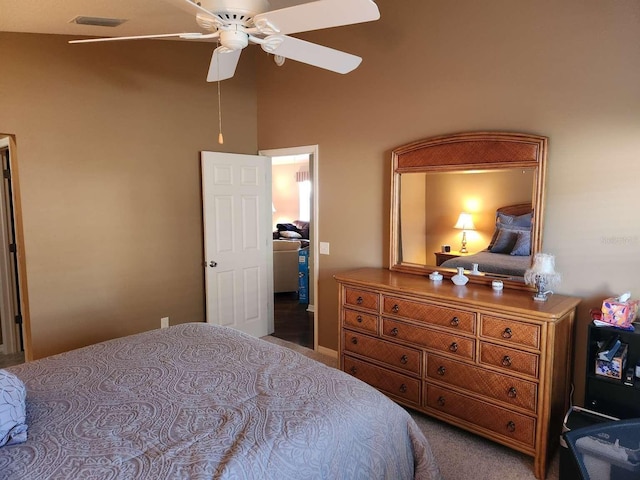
x=98, y=21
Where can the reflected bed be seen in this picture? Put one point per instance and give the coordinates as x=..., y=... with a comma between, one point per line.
x=509, y=252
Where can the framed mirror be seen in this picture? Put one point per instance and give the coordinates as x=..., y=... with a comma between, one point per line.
x=473, y=200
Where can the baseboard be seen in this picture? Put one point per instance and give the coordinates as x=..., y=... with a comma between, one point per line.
x=327, y=351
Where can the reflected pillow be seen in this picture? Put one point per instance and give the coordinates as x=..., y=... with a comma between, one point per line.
x=523, y=220
x=522, y=246
x=289, y=234
x=13, y=409
x=508, y=227
x=510, y=221
x=505, y=241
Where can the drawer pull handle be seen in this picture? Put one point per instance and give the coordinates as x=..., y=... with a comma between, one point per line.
x=354, y=340
x=394, y=332
x=353, y=370
x=359, y=319
x=404, y=359
x=507, y=333
x=359, y=300
x=455, y=321
x=453, y=347
x=441, y=370
x=511, y=426
x=512, y=392
x=403, y=388
x=395, y=308
x=506, y=361
x=441, y=401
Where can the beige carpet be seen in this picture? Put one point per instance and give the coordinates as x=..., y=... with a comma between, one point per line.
x=460, y=455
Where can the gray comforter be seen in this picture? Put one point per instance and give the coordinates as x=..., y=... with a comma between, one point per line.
x=197, y=401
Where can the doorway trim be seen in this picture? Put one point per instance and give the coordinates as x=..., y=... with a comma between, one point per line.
x=9, y=296
x=313, y=151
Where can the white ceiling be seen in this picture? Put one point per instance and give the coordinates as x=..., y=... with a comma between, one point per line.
x=144, y=17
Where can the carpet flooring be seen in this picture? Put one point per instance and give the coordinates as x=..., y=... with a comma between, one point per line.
x=461, y=455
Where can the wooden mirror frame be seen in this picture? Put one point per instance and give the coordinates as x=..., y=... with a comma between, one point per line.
x=462, y=152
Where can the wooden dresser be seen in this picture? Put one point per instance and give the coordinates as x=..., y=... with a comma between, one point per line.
x=496, y=364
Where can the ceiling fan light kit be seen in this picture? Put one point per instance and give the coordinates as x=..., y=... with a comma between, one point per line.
x=237, y=23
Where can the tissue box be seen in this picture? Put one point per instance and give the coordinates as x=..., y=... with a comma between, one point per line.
x=615, y=367
x=619, y=314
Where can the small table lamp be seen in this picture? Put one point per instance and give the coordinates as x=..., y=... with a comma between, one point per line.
x=542, y=275
x=464, y=223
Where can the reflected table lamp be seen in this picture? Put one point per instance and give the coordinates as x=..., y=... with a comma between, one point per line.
x=464, y=223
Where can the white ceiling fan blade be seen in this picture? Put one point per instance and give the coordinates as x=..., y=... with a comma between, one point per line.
x=316, y=15
x=191, y=36
x=313, y=54
x=223, y=64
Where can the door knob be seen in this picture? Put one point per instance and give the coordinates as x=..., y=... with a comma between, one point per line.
x=213, y=264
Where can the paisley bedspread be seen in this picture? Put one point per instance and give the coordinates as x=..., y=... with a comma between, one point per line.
x=196, y=401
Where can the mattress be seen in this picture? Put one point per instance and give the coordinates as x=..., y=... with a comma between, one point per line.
x=200, y=401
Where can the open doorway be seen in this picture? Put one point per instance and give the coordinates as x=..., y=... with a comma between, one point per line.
x=11, y=339
x=294, y=206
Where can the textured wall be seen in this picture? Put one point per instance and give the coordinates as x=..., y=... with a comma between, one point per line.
x=568, y=70
x=108, y=140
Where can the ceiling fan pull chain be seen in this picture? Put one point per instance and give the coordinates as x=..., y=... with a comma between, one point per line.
x=220, y=137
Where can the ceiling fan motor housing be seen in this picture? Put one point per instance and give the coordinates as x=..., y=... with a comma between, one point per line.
x=233, y=39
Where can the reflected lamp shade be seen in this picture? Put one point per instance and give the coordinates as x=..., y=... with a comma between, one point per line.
x=464, y=223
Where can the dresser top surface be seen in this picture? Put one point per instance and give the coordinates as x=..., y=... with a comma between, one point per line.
x=520, y=301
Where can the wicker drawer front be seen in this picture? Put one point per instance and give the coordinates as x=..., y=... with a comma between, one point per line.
x=361, y=299
x=458, y=320
x=397, y=356
x=444, y=342
x=475, y=379
x=499, y=420
x=510, y=360
x=385, y=380
x=510, y=331
x=359, y=320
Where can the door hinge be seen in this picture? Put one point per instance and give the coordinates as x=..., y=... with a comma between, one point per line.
x=18, y=319
x=13, y=248
x=6, y=173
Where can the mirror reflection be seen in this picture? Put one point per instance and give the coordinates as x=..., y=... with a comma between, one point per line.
x=436, y=205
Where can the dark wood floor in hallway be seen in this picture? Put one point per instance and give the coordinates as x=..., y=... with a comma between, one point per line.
x=292, y=321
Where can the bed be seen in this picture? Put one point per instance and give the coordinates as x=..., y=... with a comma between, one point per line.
x=200, y=401
x=509, y=251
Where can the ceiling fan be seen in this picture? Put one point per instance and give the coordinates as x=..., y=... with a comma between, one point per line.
x=237, y=23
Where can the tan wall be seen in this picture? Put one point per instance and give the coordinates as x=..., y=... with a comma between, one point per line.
x=108, y=140
x=568, y=70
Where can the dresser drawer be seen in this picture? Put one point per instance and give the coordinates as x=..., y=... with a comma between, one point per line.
x=510, y=360
x=397, y=356
x=510, y=331
x=497, y=419
x=361, y=299
x=425, y=337
x=458, y=320
x=359, y=320
x=504, y=388
x=389, y=382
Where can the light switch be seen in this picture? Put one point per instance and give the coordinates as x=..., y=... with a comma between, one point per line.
x=324, y=248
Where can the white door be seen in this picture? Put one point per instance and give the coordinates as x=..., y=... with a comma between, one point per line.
x=238, y=245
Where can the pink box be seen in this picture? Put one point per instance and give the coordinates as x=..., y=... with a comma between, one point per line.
x=619, y=314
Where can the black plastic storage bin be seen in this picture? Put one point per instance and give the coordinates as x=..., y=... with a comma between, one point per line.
x=607, y=451
x=576, y=418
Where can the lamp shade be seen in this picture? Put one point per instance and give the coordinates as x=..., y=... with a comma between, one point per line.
x=465, y=222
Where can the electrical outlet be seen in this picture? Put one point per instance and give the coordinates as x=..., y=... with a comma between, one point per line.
x=164, y=322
